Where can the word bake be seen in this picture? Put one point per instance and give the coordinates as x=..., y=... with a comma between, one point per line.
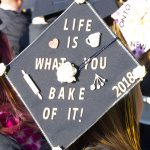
x=66, y=93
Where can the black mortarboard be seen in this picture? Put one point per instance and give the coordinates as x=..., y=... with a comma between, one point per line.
x=72, y=74
x=47, y=7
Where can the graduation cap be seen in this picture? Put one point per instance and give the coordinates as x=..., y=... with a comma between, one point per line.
x=64, y=77
x=47, y=7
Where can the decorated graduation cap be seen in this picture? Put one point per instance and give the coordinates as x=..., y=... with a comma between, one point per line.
x=47, y=7
x=133, y=18
x=72, y=74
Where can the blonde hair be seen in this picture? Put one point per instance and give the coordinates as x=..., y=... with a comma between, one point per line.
x=118, y=129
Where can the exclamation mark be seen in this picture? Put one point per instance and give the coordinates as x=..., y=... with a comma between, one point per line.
x=81, y=114
x=69, y=113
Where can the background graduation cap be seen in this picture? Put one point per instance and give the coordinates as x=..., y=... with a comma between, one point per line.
x=64, y=77
x=28, y=4
x=47, y=7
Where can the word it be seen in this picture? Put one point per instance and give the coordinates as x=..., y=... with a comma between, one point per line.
x=75, y=113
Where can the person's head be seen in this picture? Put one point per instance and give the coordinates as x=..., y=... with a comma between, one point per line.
x=5, y=53
x=9, y=101
x=118, y=129
x=14, y=4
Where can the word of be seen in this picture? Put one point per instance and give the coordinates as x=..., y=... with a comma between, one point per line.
x=49, y=113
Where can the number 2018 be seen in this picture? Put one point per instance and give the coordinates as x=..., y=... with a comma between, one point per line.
x=122, y=86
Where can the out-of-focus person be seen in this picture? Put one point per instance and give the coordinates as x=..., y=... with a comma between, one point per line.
x=18, y=131
x=16, y=24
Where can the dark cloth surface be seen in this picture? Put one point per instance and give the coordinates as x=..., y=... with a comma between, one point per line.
x=35, y=30
x=145, y=129
x=7, y=143
x=16, y=28
x=45, y=147
x=145, y=136
x=145, y=84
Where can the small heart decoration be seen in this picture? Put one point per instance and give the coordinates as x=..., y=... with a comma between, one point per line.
x=53, y=43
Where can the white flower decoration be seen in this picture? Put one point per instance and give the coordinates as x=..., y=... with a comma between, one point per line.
x=56, y=148
x=139, y=72
x=2, y=69
x=80, y=1
x=66, y=72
